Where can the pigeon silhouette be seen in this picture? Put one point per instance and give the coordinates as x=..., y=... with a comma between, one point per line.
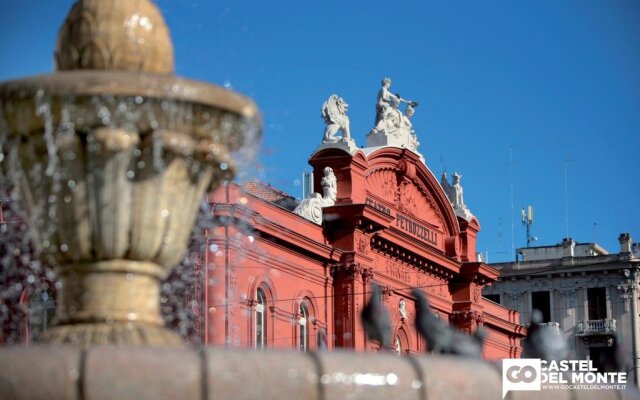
x=375, y=319
x=543, y=342
x=613, y=359
x=322, y=339
x=440, y=337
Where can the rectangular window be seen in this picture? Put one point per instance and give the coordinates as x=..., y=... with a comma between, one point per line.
x=597, y=355
x=542, y=301
x=597, y=300
x=493, y=297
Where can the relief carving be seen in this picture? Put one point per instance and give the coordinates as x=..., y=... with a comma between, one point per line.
x=398, y=271
x=367, y=275
x=402, y=309
x=476, y=293
x=568, y=297
x=407, y=199
x=466, y=317
x=362, y=244
x=626, y=288
x=514, y=300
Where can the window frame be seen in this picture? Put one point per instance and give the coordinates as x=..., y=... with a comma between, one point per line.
x=260, y=320
x=303, y=328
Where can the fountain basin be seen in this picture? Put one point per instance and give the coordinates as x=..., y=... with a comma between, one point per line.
x=111, y=166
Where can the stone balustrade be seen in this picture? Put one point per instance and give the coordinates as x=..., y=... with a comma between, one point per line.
x=553, y=325
x=596, y=327
x=102, y=373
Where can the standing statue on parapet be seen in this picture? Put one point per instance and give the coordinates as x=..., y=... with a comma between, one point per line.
x=334, y=114
x=457, y=191
x=455, y=194
x=311, y=207
x=329, y=186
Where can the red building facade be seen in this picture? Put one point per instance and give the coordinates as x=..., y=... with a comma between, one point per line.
x=275, y=279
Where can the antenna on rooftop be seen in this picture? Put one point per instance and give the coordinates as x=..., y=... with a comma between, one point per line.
x=526, y=216
x=511, y=163
x=500, y=238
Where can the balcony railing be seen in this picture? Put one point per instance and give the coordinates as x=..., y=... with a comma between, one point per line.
x=596, y=327
x=553, y=325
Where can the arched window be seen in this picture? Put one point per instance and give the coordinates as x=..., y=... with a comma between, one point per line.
x=302, y=327
x=261, y=322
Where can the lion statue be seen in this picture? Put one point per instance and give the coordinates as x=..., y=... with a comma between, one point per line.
x=334, y=114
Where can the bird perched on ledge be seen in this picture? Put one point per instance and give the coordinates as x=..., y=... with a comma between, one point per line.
x=440, y=337
x=543, y=342
x=375, y=319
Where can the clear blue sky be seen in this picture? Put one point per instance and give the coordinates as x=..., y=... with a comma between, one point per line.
x=548, y=79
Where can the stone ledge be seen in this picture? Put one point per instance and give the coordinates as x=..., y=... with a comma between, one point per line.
x=154, y=373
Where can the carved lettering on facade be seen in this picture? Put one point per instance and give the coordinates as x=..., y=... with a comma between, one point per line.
x=416, y=229
x=398, y=271
x=378, y=206
x=409, y=225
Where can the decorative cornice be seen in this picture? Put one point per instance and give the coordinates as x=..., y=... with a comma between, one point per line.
x=352, y=271
x=412, y=260
x=467, y=316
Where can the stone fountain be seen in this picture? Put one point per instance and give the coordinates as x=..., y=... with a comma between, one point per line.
x=111, y=154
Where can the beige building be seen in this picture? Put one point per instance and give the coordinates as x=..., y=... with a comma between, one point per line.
x=582, y=290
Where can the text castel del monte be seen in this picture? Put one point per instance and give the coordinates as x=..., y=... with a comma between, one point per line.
x=301, y=276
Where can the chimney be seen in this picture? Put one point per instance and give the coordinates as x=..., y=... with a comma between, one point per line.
x=568, y=246
x=625, y=243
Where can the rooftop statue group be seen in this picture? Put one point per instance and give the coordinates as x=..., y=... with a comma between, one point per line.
x=391, y=128
x=389, y=119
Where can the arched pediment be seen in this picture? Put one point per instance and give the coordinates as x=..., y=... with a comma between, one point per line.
x=398, y=181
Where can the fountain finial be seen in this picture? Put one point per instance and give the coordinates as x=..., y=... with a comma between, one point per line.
x=120, y=35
